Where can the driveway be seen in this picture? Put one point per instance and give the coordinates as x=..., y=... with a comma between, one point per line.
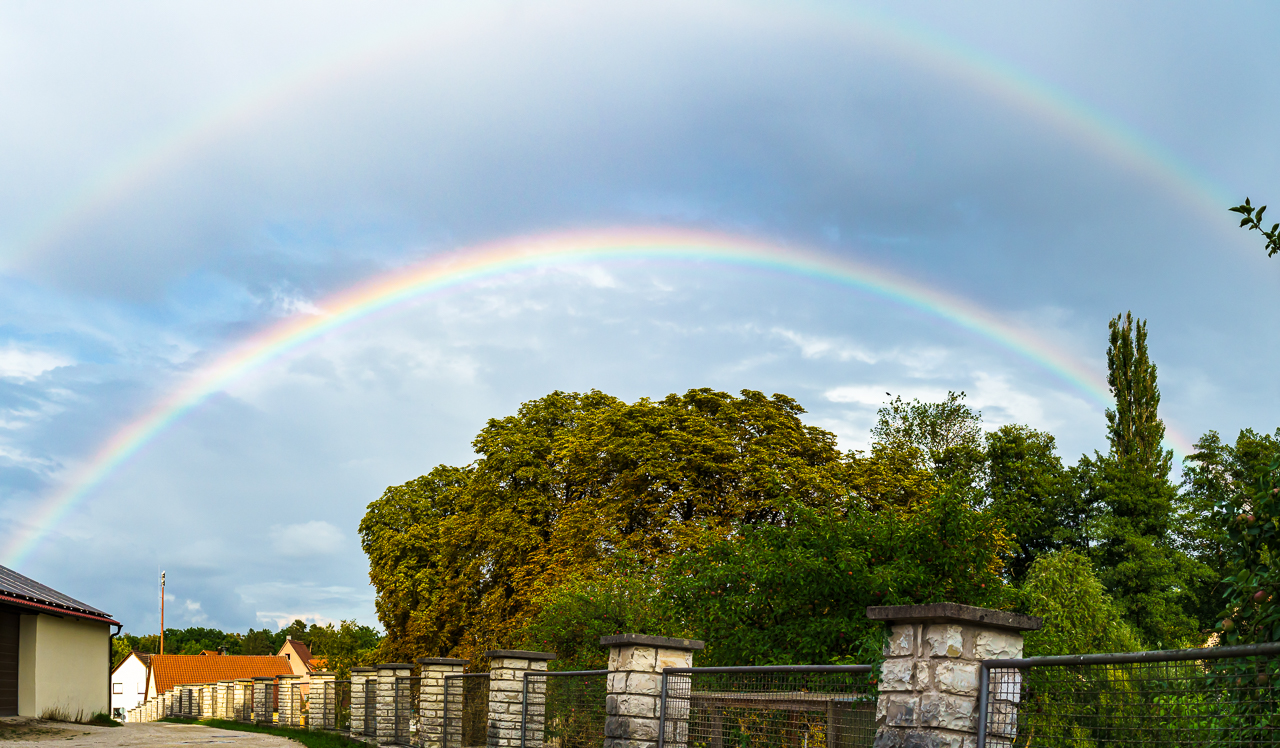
x=64, y=735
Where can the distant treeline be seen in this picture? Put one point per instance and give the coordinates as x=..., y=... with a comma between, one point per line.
x=343, y=646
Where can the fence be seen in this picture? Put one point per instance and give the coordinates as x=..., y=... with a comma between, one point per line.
x=782, y=706
x=406, y=709
x=329, y=705
x=1216, y=697
x=564, y=709
x=466, y=710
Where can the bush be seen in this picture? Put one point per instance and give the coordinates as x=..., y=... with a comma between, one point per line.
x=1079, y=616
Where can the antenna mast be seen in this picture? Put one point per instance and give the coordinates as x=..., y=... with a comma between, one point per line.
x=162, y=612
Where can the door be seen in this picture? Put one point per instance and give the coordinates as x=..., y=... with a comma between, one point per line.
x=9, y=623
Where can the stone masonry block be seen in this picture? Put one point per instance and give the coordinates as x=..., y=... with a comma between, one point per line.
x=958, y=677
x=944, y=640
x=922, y=675
x=617, y=682
x=634, y=705
x=642, y=659
x=997, y=645
x=895, y=675
x=898, y=709
x=902, y=641
x=645, y=683
x=673, y=658
x=950, y=712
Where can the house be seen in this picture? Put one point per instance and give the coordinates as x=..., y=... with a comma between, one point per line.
x=298, y=655
x=55, y=651
x=168, y=671
x=129, y=683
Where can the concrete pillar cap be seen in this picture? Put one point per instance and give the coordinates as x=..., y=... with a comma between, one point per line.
x=644, y=640
x=954, y=613
x=521, y=654
x=262, y=677
x=440, y=661
x=395, y=666
x=321, y=674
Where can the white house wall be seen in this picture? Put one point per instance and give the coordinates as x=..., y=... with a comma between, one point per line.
x=130, y=679
x=62, y=666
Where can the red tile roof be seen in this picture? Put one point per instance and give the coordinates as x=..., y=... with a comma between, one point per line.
x=174, y=670
x=304, y=652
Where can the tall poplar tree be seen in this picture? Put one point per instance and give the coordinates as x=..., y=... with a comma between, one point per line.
x=1134, y=426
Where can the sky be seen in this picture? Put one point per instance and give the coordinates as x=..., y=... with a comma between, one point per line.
x=260, y=261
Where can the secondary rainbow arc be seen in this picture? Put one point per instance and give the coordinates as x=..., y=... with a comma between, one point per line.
x=476, y=265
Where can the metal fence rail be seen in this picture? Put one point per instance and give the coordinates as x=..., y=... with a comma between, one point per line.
x=329, y=706
x=1217, y=697
x=466, y=710
x=813, y=706
x=564, y=709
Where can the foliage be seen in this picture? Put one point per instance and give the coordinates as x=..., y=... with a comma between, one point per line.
x=1079, y=616
x=573, y=615
x=1254, y=221
x=797, y=593
x=1033, y=495
x=1134, y=427
x=459, y=555
x=948, y=434
x=1211, y=477
x=1252, y=613
x=345, y=646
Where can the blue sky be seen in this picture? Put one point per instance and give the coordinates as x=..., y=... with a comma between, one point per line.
x=177, y=178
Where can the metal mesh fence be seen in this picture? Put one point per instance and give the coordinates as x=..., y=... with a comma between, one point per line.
x=329, y=705
x=787, y=707
x=466, y=710
x=406, y=706
x=1212, y=698
x=565, y=709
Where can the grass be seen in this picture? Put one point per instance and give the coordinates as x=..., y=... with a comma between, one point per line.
x=58, y=714
x=102, y=719
x=309, y=738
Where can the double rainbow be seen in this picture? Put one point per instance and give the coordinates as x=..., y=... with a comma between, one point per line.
x=478, y=264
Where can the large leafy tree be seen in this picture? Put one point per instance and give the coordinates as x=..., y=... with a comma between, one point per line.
x=459, y=556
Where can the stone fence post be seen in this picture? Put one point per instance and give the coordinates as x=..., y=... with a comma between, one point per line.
x=242, y=699
x=322, y=701
x=362, y=712
x=289, y=700
x=263, y=703
x=632, y=707
x=205, y=700
x=506, y=692
x=386, y=707
x=929, y=681
x=431, y=698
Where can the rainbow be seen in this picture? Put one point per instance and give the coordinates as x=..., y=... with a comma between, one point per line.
x=469, y=266
x=166, y=150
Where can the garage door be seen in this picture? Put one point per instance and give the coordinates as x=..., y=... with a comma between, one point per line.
x=9, y=623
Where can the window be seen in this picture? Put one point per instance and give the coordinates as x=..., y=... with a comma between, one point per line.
x=287, y=657
x=117, y=688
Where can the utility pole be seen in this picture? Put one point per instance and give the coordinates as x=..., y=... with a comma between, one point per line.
x=162, y=612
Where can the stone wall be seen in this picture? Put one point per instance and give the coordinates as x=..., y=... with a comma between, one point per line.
x=634, y=695
x=506, y=692
x=432, y=696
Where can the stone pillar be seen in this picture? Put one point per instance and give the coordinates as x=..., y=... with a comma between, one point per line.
x=322, y=701
x=385, y=709
x=262, y=700
x=165, y=704
x=288, y=700
x=360, y=677
x=225, y=700
x=431, y=698
x=206, y=701
x=929, y=681
x=636, y=662
x=506, y=692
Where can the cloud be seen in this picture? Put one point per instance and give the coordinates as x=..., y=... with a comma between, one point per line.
x=813, y=346
x=25, y=364
x=314, y=538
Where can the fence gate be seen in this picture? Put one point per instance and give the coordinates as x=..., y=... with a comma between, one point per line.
x=466, y=710
x=1217, y=696
x=802, y=706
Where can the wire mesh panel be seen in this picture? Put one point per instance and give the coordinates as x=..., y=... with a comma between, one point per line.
x=466, y=710
x=406, y=706
x=565, y=709
x=1215, y=698
x=291, y=702
x=783, y=707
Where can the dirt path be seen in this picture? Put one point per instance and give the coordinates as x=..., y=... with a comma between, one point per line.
x=158, y=734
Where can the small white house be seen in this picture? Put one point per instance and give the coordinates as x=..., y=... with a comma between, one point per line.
x=129, y=683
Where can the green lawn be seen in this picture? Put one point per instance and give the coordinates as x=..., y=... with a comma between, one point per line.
x=306, y=737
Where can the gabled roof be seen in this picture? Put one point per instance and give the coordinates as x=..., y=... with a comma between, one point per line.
x=144, y=656
x=175, y=670
x=20, y=590
x=304, y=652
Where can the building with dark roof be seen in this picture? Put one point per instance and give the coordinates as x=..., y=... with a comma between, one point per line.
x=55, y=651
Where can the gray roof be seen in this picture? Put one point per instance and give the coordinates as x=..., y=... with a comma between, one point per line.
x=14, y=584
